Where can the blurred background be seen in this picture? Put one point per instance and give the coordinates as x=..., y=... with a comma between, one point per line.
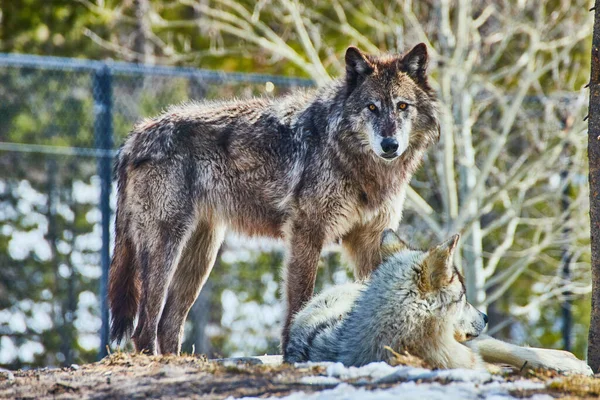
x=510, y=171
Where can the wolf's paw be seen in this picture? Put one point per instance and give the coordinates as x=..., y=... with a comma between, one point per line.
x=560, y=361
x=494, y=369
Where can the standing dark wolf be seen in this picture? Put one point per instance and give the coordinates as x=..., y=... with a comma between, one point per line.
x=309, y=168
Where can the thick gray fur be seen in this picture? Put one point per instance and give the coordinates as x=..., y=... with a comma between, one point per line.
x=414, y=301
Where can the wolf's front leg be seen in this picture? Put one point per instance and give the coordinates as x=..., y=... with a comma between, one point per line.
x=447, y=353
x=362, y=245
x=497, y=351
x=304, y=248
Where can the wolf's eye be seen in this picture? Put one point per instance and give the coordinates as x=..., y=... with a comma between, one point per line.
x=402, y=106
x=372, y=107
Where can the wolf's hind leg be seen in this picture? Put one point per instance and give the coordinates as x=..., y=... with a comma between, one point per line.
x=195, y=264
x=162, y=219
x=157, y=259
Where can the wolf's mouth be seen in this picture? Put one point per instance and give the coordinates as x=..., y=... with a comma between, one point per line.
x=389, y=156
x=470, y=336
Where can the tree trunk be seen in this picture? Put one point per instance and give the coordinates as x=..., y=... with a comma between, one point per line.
x=594, y=179
x=141, y=43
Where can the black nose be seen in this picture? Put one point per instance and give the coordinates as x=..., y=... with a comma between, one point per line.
x=389, y=145
x=485, y=318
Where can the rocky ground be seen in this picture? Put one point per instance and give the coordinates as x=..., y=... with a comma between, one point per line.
x=124, y=375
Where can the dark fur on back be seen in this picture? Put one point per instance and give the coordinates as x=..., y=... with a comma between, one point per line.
x=306, y=168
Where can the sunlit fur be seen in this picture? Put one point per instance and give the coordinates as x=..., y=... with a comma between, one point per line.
x=415, y=301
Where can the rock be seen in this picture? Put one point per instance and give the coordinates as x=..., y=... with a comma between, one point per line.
x=6, y=374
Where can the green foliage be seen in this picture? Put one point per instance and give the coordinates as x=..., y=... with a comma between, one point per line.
x=51, y=28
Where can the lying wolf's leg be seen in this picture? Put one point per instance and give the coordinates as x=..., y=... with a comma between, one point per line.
x=445, y=352
x=460, y=356
x=194, y=267
x=497, y=351
x=362, y=245
x=304, y=249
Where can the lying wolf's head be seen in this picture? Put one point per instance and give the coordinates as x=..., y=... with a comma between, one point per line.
x=437, y=285
x=390, y=106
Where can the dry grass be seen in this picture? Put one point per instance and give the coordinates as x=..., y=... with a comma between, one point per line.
x=405, y=358
x=576, y=386
x=122, y=359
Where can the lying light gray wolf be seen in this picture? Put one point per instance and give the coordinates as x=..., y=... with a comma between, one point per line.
x=414, y=301
x=310, y=168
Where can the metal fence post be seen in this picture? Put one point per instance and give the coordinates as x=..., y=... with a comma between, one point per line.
x=567, y=255
x=103, y=137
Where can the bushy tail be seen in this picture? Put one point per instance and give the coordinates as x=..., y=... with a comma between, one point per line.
x=124, y=282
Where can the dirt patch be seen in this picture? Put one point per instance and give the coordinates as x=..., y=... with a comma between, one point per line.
x=134, y=376
x=139, y=376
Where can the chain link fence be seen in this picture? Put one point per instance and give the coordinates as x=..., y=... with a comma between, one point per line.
x=60, y=123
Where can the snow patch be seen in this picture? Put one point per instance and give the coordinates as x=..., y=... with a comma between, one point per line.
x=409, y=390
x=319, y=380
x=422, y=383
x=374, y=370
x=448, y=375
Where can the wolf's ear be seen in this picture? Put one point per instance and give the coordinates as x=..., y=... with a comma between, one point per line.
x=438, y=264
x=390, y=244
x=357, y=66
x=414, y=63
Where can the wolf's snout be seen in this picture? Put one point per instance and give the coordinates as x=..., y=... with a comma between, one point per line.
x=389, y=146
x=485, y=318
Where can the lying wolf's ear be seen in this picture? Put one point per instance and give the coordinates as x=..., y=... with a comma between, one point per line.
x=358, y=67
x=438, y=264
x=414, y=63
x=390, y=244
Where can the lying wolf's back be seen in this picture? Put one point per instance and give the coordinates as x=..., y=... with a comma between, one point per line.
x=315, y=329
